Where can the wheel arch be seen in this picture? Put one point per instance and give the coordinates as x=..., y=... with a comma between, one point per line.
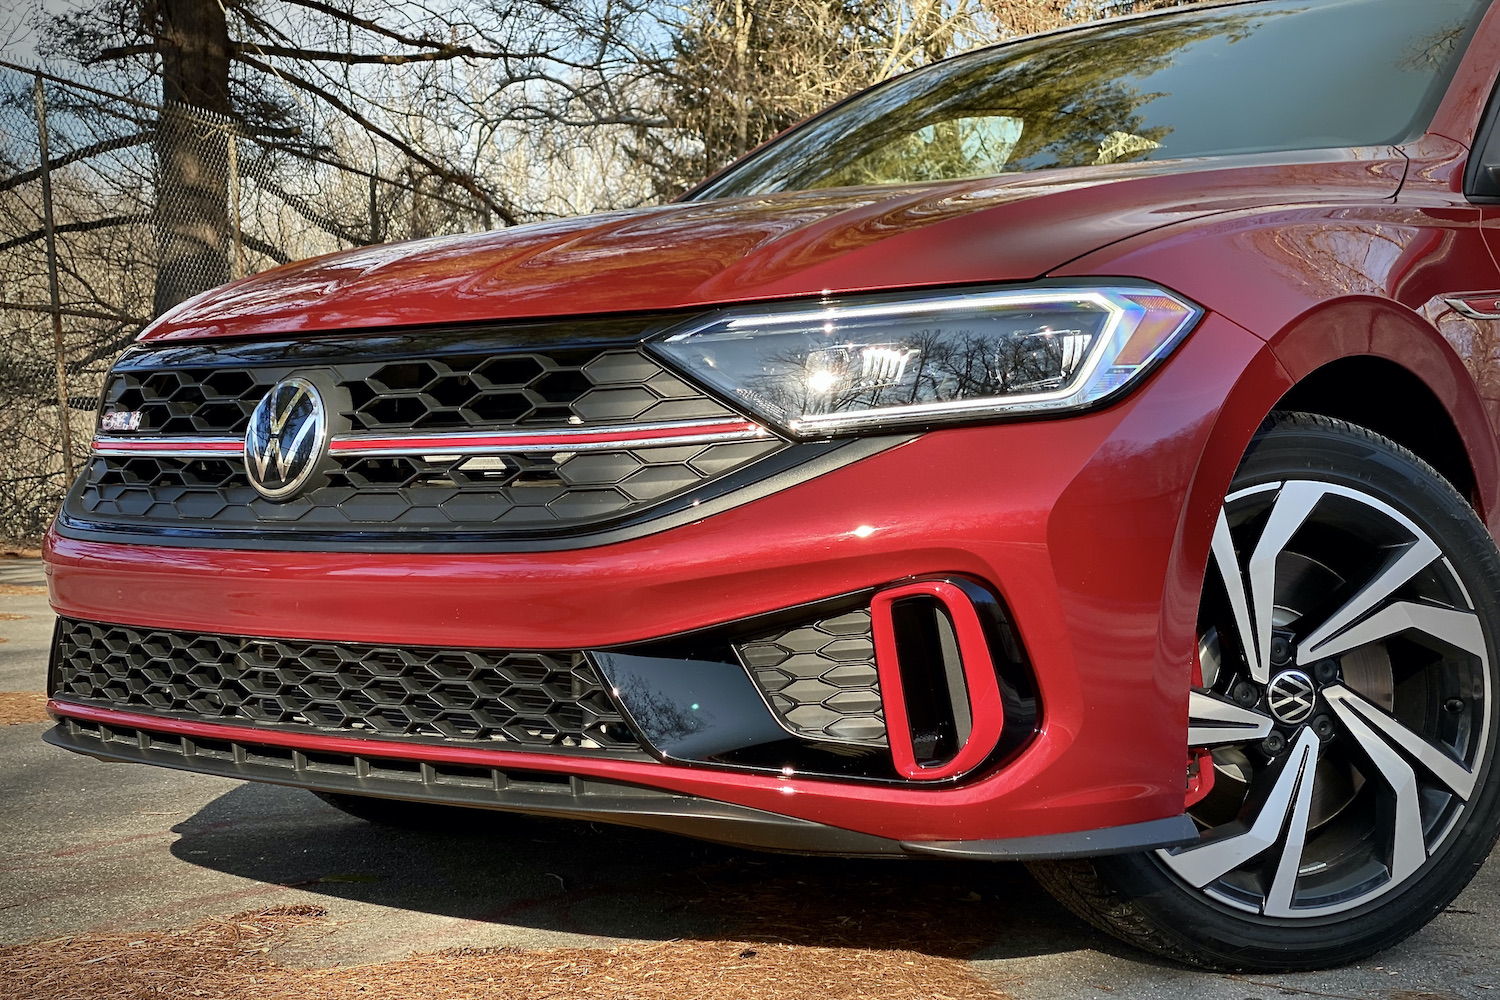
x=1375, y=364
x=1380, y=395
x=1315, y=364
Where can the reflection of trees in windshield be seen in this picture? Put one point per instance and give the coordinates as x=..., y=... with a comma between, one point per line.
x=937, y=365
x=959, y=147
x=1067, y=97
x=1432, y=51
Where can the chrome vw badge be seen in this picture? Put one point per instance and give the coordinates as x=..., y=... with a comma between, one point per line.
x=288, y=431
x=1292, y=696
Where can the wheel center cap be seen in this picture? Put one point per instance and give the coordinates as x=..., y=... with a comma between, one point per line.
x=1292, y=696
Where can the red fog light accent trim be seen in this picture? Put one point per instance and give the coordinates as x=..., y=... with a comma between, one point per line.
x=985, y=705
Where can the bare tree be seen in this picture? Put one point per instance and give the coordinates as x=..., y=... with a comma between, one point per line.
x=309, y=72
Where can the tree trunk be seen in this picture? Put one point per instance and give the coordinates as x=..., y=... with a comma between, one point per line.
x=192, y=213
x=744, y=17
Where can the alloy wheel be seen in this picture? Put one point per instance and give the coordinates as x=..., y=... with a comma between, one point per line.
x=1341, y=705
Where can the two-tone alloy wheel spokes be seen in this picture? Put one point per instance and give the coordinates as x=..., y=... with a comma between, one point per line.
x=1342, y=706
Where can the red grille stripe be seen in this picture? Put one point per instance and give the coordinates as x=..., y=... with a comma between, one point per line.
x=463, y=443
x=557, y=440
x=163, y=446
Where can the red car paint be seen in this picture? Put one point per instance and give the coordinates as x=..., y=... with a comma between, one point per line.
x=787, y=245
x=1094, y=529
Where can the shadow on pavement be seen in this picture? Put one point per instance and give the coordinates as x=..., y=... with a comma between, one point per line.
x=613, y=881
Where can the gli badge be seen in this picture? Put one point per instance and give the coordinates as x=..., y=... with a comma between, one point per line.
x=121, y=420
x=284, y=444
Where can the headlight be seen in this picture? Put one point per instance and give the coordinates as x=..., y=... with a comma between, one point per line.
x=859, y=363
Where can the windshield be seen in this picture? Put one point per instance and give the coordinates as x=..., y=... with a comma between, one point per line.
x=1291, y=74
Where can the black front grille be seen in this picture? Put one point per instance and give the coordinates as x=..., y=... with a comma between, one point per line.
x=543, y=701
x=178, y=393
x=444, y=491
x=430, y=385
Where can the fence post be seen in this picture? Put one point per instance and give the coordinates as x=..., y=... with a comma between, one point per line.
x=57, y=329
x=237, y=259
x=374, y=211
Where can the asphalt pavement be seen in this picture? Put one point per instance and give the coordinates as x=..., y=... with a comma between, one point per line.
x=90, y=847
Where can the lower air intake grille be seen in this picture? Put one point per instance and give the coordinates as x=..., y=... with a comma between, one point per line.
x=820, y=678
x=533, y=700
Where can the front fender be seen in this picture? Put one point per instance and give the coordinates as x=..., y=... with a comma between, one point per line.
x=1321, y=284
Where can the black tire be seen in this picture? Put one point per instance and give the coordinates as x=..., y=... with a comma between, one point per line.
x=1144, y=900
x=400, y=813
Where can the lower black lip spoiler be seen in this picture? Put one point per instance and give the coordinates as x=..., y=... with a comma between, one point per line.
x=573, y=797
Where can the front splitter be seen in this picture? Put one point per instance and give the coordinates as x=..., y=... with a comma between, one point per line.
x=348, y=766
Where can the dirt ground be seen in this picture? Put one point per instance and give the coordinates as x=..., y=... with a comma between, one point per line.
x=138, y=882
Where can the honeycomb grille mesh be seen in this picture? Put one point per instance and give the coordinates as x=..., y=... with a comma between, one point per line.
x=415, y=492
x=481, y=391
x=820, y=678
x=427, y=387
x=534, y=700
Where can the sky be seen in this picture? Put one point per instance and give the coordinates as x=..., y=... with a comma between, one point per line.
x=17, y=42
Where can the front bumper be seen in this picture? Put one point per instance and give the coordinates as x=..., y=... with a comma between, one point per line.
x=1086, y=527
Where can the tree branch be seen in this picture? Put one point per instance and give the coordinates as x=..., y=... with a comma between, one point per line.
x=265, y=249
x=448, y=174
x=355, y=58
x=368, y=25
x=123, y=52
x=82, y=153
x=303, y=208
x=77, y=227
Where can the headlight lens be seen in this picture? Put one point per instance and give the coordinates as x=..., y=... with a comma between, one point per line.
x=850, y=364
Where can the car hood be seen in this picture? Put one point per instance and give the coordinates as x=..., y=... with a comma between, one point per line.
x=697, y=254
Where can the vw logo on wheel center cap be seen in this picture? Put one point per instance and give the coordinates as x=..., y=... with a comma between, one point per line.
x=285, y=441
x=1292, y=696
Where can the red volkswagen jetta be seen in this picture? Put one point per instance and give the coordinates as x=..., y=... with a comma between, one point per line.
x=1082, y=450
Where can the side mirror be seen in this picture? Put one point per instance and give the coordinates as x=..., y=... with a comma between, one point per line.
x=1490, y=179
x=1485, y=181
x=1482, y=174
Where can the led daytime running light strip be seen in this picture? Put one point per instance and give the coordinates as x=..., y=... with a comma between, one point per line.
x=1125, y=311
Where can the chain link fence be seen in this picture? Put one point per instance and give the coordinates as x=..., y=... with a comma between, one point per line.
x=112, y=209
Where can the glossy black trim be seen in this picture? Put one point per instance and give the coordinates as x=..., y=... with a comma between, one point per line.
x=401, y=343
x=666, y=666
x=1018, y=692
x=688, y=710
x=772, y=474
x=664, y=674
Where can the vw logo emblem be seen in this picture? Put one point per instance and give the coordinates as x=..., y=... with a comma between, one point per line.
x=285, y=441
x=1292, y=696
